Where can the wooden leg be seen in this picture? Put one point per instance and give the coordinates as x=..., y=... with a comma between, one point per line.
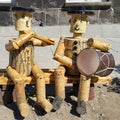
x=19, y=91
x=21, y=98
x=59, y=76
x=83, y=94
x=40, y=88
x=91, y=94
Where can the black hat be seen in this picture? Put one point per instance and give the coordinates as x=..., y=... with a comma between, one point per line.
x=22, y=9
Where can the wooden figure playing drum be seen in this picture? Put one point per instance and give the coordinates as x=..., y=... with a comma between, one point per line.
x=67, y=53
x=21, y=62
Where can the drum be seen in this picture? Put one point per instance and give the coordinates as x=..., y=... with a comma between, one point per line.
x=92, y=62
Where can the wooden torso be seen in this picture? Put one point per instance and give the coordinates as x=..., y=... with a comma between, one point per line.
x=22, y=60
x=73, y=46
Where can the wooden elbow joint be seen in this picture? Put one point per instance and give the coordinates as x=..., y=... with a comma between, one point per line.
x=11, y=46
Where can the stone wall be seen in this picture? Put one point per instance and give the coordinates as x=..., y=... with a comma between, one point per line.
x=48, y=12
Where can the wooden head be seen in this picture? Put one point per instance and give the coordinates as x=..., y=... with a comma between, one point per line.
x=78, y=23
x=79, y=20
x=22, y=17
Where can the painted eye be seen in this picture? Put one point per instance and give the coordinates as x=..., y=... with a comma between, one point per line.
x=75, y=21
x=69, y=20
x=23, y=15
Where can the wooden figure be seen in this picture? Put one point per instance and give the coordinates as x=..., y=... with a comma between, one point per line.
x=21, y=62
x=67, y=52
x=71, y=52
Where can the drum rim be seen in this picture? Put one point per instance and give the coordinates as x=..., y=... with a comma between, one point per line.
x=96, y=67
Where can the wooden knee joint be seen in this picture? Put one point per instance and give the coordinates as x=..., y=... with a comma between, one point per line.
x=59, y=72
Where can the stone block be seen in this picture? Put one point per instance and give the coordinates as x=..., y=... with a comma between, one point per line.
x=30, y=3
x=63, y=18
x=106, y=16
x=52, y=16
x=52, y=3
x=117, y=15
x=39, y=18
x=5, y=18
x=94, y=18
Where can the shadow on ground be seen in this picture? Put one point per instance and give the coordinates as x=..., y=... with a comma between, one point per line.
x=117, y=68
x=115, y=85
x=14, y=108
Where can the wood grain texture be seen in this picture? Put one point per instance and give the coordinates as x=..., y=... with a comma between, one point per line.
x=22, y=60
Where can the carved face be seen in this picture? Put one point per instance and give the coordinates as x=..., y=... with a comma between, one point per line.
x=78, y=23
x=22, y=20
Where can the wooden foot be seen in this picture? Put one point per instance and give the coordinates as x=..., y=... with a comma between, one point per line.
x=57, y=103
x=46, y=105
x=81, y=108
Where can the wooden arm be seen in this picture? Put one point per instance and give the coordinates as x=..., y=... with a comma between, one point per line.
x=59, y=55
x=101, y=45
x=18, y=42
x=25, y=37
x=46, y=40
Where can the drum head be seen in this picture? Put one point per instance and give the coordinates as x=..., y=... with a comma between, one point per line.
x=88, y=62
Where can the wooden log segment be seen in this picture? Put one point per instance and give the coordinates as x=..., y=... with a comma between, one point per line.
x=84, y=88
x=97, y=44
x=40, y=88
x=60, y=47
x=19, y=91
x=18, y=42
x=60, y=57
x=59, y=76
x=49, y=41
x=22, y=59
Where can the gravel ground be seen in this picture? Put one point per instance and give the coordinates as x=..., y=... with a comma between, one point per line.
x=105, y=106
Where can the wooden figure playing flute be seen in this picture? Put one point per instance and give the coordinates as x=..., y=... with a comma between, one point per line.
x=67, y=52
x=21, y=62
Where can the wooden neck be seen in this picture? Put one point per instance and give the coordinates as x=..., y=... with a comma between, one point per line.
x=77, y=35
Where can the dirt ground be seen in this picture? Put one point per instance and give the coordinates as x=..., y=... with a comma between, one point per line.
x=105, y=106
